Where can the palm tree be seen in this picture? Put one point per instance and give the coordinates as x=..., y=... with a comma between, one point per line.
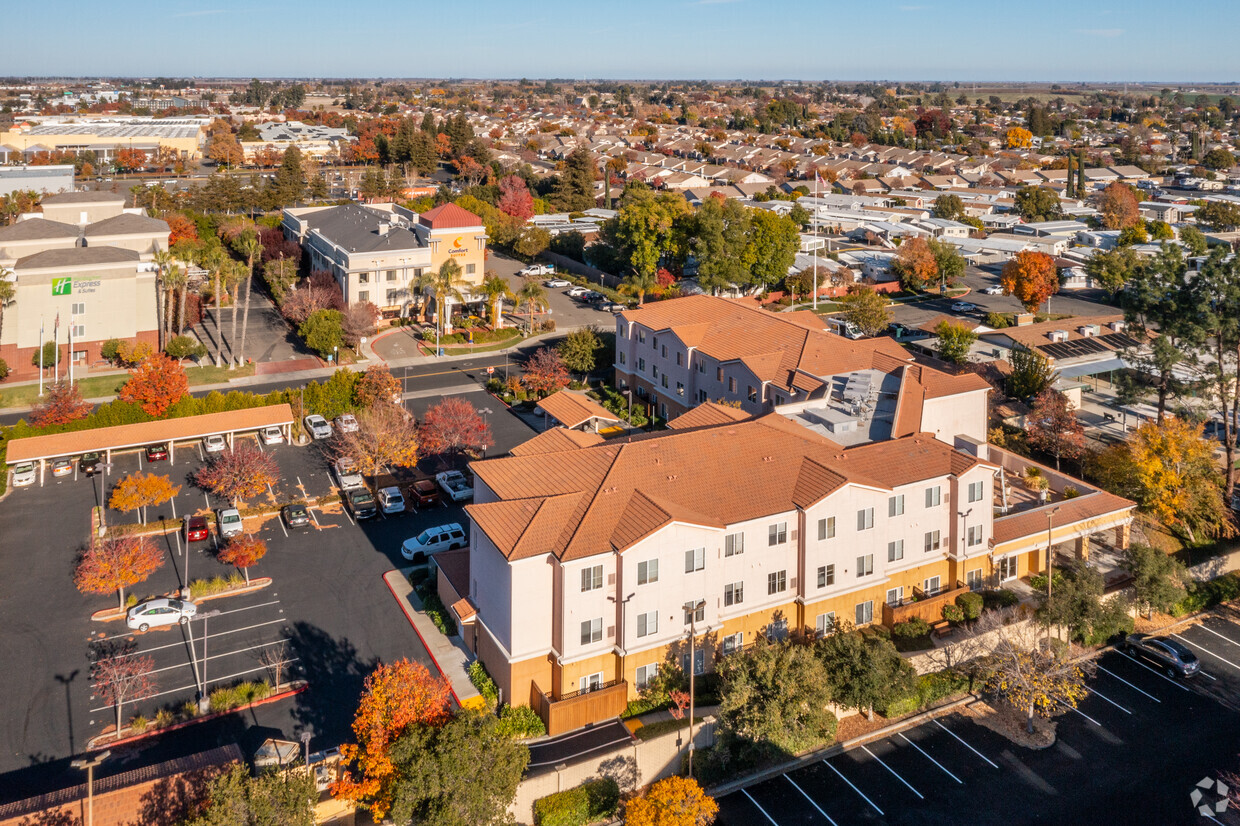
x=533, y=296
x=639, y=282
x=251, y=248
x=177, y=280
x=8, y=292
x=162, y=260
x=214, y=261
x=233, y=276
x=495, y=288
x=445, y=284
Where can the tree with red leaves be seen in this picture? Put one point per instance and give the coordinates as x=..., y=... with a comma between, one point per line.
x=62, y=404
x=451, y=427
x=115, y=564
x=123, y=678
x=515, y=198
x=180, y=228
x=238, y=474
x=243, y=551
x=1031, y=277
x=156, y=384
x=545, y=372
x=1053, y=428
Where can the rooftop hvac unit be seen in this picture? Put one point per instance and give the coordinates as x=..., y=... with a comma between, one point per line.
x=1118, y=326
x=1057, y=335
x=1088, y=330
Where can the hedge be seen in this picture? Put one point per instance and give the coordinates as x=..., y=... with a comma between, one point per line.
x=971, y=604
x=591, y=801
x=520, y=722
x=482, y=681
x=1203, y=595
x=930, y=689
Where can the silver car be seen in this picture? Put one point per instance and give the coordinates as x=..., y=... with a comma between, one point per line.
x=318, y=427
x=228, y=522
x=23, y=474
x=156, y=612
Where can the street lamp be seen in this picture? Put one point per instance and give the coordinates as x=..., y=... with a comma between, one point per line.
x=202, y=693
x=692, y=608
x=89, y=764
x=1050, y=520
x=486, y=411
x=964, y=534
x=305, y=742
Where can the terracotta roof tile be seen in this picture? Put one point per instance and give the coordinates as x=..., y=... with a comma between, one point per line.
x=708, y=413
x=556, y=440
x=908, y=406
x=464, y=609
x=574, y=409
x=1032, y=522
x=449, y=216
x=901, y=461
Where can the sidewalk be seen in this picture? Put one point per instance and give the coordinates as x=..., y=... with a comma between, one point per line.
x=449, y=655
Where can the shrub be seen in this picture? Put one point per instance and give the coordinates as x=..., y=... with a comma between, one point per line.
x=910, y=629
x=591, y=801
x=183, y=347
x=230, y=697
x=1071, y=492
x=971, y=604
x=520, y=722
x=998, y=320
x=930, y=688
x=953, y=614
x=439, y=615
x=999, y=598
x=138, y=724
x=482, y=681
x=216, y=585
x=164, y=718
x=4, y=370
x=661, y=727
x=1202, y=595
x=111, y=349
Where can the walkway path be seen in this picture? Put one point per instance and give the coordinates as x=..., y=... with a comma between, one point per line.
x=448, y=654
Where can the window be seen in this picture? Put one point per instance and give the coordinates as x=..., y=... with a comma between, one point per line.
x=665, y=384
x=731, y=385
x=973, y=579
x=895, y=550
x=777, y=630
x=699, y=662
x=976, y=491
x=719, y=374
x=702, y=397
x=933, y=496
x=865, y=612
x=701, y=366
x=390, y=275
x=895, y=596
x=1007, y=568
x=751, y=393
x=648, y=572
x=680, y=388
x=592, y=578
x=826, y=528
x=391, y=297
x=641, y=365
x=777, y=534
x=932, y=541
x=641, y=336
x=865, y=565
x=620, y=356
x=363, y=295
x=824, y=624
x=647, y=623
x=695, y=560
x=79, y=331
x=363, y=278
x=865, y=519
x=734, y=544
x=591, y=631
x=654, y=342
x=470, y=269
x=654, y=372
x=826, y=576
x=646, y=673
x=734, y=593
x=663, y=351
x=78, y=309
x=696, y=615
x=931, y=585
x=592, y=682
x=680, y=359
x=975, y=536
x=418, y=272
x=895, y=505
x=777, y=582
x=733, y=642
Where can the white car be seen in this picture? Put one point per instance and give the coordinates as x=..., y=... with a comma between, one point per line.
x=228, y=522
x=391, y=500
x=347, y=474
x=963, y=307
x=23, y=475
x=536, y=269
x=454, y=483
x=156, y=612
x=346, y=423
x=557, y=282
x=319, y=427
x=993, y=289
x=272, y=436
x=576, y=292
x=214, y=444
x=432, y=540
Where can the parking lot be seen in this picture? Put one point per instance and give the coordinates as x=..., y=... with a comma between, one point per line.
x=1132, y=753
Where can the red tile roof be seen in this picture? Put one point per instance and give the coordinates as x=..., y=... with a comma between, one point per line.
x=708, y=413
x=555, y=440
x=449, y=216
x=1087, y=506
x=574, y=409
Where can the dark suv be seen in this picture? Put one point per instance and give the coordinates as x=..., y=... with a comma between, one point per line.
x=1171, y=656
x=89, y=463
x=361, y=504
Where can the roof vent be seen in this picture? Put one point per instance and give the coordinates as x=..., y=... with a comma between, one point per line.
x=1088, y=330
x=1057, y=335
x=1118, y=326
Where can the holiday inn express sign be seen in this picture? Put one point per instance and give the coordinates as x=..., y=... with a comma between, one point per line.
x=62, y=286
x=65, y=286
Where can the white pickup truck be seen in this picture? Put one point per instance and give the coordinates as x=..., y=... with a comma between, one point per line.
x=455, y=485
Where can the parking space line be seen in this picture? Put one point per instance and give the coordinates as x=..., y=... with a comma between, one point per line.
x=966, y=745
x=1208, y=651
x=866, y=749
x=931, y=759
x=760, y=809
x=213, y=656
x=219, y=634
x=811, y=800
x=218, y=680
x=1207, y=675
x=1221, y=636
x=854, y=788
x=1097, y=693
x=1078, y=711
x=1153, y=671
x=1130, y=685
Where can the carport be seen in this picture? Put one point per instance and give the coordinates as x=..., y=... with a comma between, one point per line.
x=105, y=440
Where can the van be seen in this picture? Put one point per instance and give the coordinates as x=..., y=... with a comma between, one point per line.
x=842, y=327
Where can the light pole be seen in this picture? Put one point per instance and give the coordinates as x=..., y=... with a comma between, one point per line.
x=964, y=534
x=629, y=393
x=1050, y=520
x=692, y=608
x=305, y=742
x=89, y=764
x=202, y=692
x=485, y=412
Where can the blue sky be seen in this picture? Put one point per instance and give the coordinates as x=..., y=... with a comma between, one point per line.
x=1055, y=40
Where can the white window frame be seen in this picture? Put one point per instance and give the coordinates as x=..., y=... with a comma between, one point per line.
x=826, y=528
x=591, y=578
x=590, y=682
x=975, y=536
x=648, y=571
x=826, y=575
x=895, y=550
x=865, y=565
x=776, y=534
x=932, y=585
x=592, y=631
x=734, y=544
x=824, y=623
x=934, y=496
x=776, y=582
x=936, y=544
x=733, y=642
x=865, y=519
x=695, y=560
x=864, y=612
x=895, y=505
x=896, y=593
x=644, y=674
x=977, y=490
x=734, y=593
x=644, y=626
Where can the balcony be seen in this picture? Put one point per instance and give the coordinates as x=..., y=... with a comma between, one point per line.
x=575, y=709
x=928, y=607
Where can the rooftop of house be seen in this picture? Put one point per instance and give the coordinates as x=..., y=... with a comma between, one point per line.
x=360, y=229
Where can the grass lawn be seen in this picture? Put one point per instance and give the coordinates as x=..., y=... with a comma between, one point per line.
x=468, y=350
x=94, y=387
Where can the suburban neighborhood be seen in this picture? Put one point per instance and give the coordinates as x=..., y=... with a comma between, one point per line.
x=673, y=452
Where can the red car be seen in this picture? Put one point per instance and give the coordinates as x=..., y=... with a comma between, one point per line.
x=425, y=493
x=195, y=528
x=156, y=453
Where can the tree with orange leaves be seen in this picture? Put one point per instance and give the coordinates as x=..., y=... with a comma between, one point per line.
x=1119, y=206
x=140, y=490
x=1031, y=277
x=115, y=564
x=130, y=160
x=1019, y=138
x=394, y=698
x=376, y=384
x=156, y=384
x=242, y=551
x=386, y=437
x=62, y=404
x=915, y=264
x=673, y=801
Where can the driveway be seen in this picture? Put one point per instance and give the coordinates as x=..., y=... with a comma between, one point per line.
x=566, y=312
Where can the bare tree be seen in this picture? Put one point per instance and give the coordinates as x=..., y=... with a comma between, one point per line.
x=276, y=660
x=120, y=676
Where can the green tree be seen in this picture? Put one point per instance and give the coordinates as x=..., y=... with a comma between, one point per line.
x=273, y=798
x=532, y=296
x=422, y=154
x=1110, y=269
x=1036, y=203
x=771, y=247
x=1076, y=603
x=496, y=289
x=45, y=356
x=1218, y=215
x=323, y=332
x=1157, y=578
x=1194, y=240
x=1160, y=231
x=289, y=184
x=574, y=191
x=8, y=292
x=955, y=340
x=1218, y=159
x=720, y=236
x=949, y=207
x=866, y=309
x=279, y=274
x=638, y=283
x=863, y=671
x=1219, y=361
x=439, y=771
x=1031, y=374
x=445, y=285
x=950, y=262
x=579, y=348
x=644, y=229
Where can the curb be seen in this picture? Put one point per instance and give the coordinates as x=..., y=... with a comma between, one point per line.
x=425, y=647
x=253, y=585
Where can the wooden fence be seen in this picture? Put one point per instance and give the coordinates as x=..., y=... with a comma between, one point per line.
x=580, y=708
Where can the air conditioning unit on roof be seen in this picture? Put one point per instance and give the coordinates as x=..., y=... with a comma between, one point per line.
x=1088, y=330
x=1118, y=326
x=1057, y=335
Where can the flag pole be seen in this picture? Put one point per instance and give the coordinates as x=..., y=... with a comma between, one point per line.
x=40, y=356
x=70, y=348
x=56, y=338
x=815, y=239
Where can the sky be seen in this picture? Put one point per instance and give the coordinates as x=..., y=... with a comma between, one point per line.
x=1051, y=40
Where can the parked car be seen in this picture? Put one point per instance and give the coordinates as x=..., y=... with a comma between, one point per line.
x=557, y=282
x=347, y=474
x=215, y=443
x=295, y=515
x=272, y=436
x=157, y=453
x=576, y=292
x=456, y=485
x=613, y=307
x=432, y=540
x=346, y=423
x=993, y=289
x=62, y=467
x=536, y=269
x=23, y=475
x=89, y=463
x=963, y=307
x=425, y=494
x=318, y=427
x=391, y=500
x=156, y=612
x=360, y=504
x=196, y=528
x=228, y=522
x=1171, y=656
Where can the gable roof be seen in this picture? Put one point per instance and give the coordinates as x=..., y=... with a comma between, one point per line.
x=555, y=440
x=76, y=257
x=127, y=224
x=705, y=414
x=37, y=229
x=449, y=216
x=574, y=409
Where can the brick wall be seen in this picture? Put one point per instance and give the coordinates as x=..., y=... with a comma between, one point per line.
x=20, y=359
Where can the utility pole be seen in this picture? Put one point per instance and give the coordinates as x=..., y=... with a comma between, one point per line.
x=1050, y=518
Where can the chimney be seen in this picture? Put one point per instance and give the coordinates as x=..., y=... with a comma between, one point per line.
x=384, y=226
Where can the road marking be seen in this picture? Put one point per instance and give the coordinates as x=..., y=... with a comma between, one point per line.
x=811, y=800
x=1097, y=693
x=1208, y=651
x=182, y=642
x=931, y=759
x=760, y=809
x=1154, y=671
x=1207, y=675
x=866, y=749
x=174, y=508
x=214, y=657
x=1221, y=636
x=854, y=788
x=184, y=687
x=315, y=518
x=1078, y=711
x=1130, y=685
x=963, y=743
